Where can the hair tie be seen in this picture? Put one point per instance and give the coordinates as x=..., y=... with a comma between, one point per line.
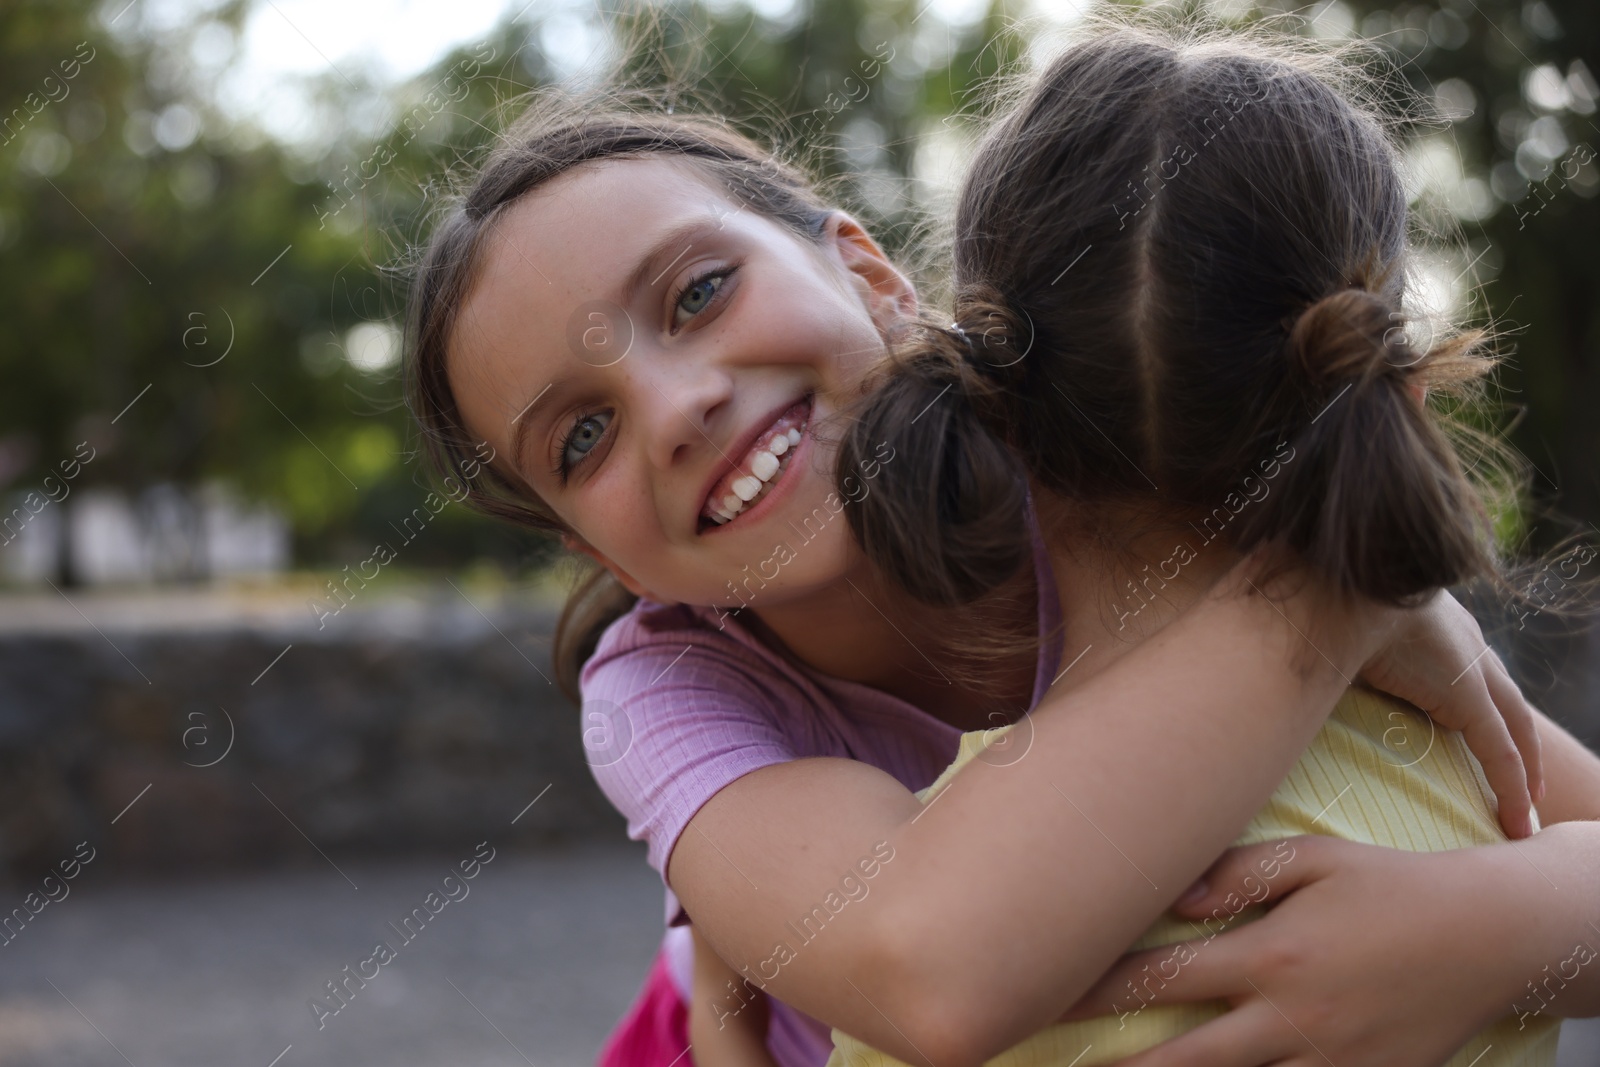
x=993, y=350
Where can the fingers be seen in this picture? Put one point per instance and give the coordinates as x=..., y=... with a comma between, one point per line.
x=1496, y=722
x=1259, y=874
x=1488, y=735
x=1245, y=1037
x=1214, y=965
x=1520, y=719
x=1180, y=973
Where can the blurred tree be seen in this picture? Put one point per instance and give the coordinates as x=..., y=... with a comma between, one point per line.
x=161, y=274
x=1519, y=167
x=145, y=233
x=175, y=292
x=200, y=302
x=863, y=93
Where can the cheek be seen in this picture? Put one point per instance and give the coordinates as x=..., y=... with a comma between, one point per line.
x=823, y=326
x=617, y=520
x=857, y=345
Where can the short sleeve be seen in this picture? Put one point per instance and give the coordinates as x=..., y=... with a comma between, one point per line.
x=667, y=725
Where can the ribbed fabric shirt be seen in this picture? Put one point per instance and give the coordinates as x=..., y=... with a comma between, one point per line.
x=1378, y=772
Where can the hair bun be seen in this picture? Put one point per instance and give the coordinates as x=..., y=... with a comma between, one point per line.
x=948, y=522
x=1351, y=335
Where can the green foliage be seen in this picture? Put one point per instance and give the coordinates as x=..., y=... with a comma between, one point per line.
x=1499, y=70
x=143, y=242
x=143, y=234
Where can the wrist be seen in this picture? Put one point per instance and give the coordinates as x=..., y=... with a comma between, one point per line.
x=1526, y=910
x=1336, y=632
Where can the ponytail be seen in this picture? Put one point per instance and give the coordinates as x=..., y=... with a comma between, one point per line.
x=948, y=522
x=1374, y=494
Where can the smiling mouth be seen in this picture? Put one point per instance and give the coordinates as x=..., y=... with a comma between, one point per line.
x=759, y=470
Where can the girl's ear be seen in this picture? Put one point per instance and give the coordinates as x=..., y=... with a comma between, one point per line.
x=888, y=294
x=573, y=543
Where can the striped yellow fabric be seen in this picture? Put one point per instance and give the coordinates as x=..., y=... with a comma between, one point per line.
x=1379, y=773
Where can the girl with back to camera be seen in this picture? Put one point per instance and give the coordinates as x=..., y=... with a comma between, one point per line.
x=769, y=753
x=1178, y=272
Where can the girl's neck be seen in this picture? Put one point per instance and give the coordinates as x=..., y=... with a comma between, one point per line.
x=862, y=631
x=1121, y=576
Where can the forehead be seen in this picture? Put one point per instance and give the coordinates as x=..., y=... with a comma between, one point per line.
x=577, y=238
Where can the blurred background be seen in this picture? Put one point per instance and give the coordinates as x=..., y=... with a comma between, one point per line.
x=259, y=739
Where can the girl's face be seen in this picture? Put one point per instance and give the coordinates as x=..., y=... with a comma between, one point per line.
x=651, y=358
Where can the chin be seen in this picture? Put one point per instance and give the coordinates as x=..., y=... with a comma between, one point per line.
x=792, y=568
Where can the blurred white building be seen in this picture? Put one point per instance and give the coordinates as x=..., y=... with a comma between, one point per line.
x=166, y=533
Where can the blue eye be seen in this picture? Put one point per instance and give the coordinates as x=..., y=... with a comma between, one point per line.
x=697, y=296
x=586, y=433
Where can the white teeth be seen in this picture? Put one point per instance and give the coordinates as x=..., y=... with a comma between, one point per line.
x=764, y=467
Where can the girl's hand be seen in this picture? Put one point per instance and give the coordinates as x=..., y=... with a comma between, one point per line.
x=1438, y=660
x=1374, y=956
x=727, y=1016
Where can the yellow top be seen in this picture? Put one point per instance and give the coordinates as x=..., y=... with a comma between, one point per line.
x=1378, y=773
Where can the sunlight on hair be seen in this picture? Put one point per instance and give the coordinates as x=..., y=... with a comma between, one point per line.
x=1435, y=177
x=1437, y=290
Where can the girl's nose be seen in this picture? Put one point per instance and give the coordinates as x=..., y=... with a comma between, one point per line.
x=683, y=404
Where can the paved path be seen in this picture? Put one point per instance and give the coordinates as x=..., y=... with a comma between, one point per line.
x=533, y=966
x=548, y=948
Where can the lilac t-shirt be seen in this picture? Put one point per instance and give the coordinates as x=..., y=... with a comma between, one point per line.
x=680, y=701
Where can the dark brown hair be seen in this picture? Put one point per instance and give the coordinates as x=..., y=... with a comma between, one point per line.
x=1174, y=263
x=553, y=136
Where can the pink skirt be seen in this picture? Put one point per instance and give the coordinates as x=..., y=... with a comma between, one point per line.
x=655, y=1032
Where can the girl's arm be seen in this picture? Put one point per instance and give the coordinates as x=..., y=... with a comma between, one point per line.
x=949, y=933
x=727, y=1017
x=1573, y=777
x=1455, y=941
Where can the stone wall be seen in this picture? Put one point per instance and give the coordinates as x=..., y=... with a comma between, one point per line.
x=422, y=721
x=410, y=724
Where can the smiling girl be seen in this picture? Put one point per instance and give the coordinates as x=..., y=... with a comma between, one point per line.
x=762, y=751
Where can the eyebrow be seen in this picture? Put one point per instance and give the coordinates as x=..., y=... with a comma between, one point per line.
x=683, y=235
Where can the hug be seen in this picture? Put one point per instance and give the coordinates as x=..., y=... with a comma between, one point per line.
x=1107, y=375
